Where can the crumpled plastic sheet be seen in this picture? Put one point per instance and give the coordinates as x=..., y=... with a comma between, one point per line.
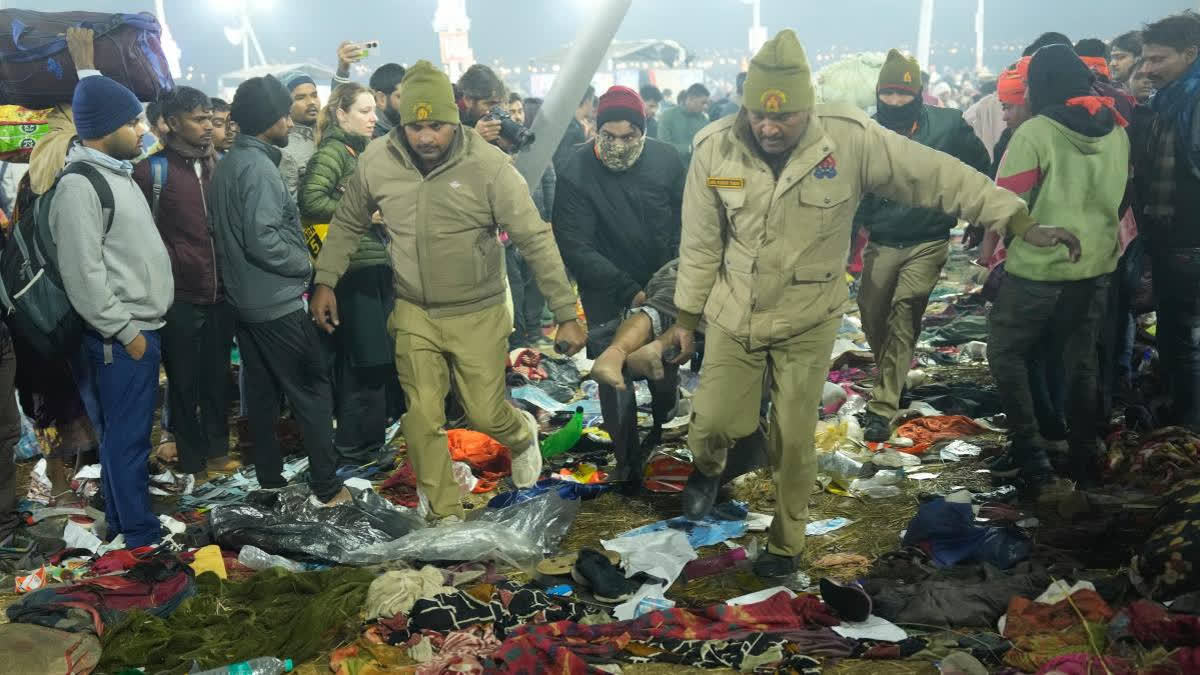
x=285, y=523
x=519, y=535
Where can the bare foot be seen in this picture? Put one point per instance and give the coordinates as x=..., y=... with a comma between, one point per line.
x=608, y=369
x=647, y=362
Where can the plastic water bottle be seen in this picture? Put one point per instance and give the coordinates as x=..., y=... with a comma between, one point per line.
x=263, y=665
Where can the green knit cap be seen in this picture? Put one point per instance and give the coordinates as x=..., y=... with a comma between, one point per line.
x=900, y=73
x=779, y=79
x=426, y=95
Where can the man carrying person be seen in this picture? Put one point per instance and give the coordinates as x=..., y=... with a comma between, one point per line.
x=767, y=214
x=443, y=192
x=680, y=124
x=117, y=275
x=616, y=220
x=265, y=269
x=198, y=335
x=1169, y=175
x=908, y=245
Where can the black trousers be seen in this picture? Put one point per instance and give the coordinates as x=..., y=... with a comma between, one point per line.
x=1063, y=318
x=196, y=343
x=10, y=433
x=528, y=301
x=285, y=356
x=362, y=409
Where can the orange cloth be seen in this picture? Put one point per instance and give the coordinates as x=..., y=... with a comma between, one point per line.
x=925, y=431
x=1026, y=617
x=1011, y=86
x=490, y=460
x=1098, y=64
x=1093, y=104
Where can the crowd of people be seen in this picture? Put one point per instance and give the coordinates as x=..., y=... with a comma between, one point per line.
x=376, y=254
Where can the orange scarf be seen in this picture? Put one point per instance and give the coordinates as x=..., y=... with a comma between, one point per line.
x=1093, y=104
x=1098, y=64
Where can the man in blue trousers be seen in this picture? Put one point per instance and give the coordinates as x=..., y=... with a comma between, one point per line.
x=117, y=274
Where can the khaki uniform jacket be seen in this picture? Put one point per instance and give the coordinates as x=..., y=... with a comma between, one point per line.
x=442, y=228
x=764, y=259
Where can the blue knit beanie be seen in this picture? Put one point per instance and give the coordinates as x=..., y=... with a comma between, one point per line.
x=294, y=78
x=101, y=106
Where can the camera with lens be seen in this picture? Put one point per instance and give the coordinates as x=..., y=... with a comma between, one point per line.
x=516, y=134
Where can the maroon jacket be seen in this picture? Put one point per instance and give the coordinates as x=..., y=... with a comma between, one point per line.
x=183, y=223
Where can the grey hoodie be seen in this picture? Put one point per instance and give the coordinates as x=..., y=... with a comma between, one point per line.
x=120, y=284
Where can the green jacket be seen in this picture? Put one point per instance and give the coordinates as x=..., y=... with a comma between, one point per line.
x=1070, y=180
x=899, y=225
x=324, y=183
x=679, y=128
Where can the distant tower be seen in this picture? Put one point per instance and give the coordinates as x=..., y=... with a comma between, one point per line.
x=170, y=49
x=452, y=25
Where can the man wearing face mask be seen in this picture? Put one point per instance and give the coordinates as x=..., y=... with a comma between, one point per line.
x=770, y=197
x=909, y=245
x=617, y=221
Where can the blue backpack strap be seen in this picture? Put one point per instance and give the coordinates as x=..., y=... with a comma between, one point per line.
x=158, y=176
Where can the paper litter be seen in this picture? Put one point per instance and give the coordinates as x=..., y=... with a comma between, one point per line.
x=874, y=628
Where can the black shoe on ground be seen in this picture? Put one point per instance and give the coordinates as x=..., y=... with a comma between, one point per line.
x=1006, y=465
x=608, y=583
x=700, y=494
x=878, y=429
x=773, y=566
x=850, y=601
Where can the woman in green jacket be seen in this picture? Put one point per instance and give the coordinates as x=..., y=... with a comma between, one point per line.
x=363, y=367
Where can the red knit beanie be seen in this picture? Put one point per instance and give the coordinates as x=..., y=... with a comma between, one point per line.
x=621, y=104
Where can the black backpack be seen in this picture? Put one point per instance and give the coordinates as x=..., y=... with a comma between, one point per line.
x=31, y=286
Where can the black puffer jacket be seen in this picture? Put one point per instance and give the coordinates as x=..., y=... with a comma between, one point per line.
x=615, y=230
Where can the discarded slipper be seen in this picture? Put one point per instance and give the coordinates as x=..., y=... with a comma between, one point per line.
x=561, y=565
x=608, y=583
x=849, y=601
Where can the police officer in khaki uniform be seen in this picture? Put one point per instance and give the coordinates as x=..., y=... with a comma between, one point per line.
x=767, y=214
x=444, y=192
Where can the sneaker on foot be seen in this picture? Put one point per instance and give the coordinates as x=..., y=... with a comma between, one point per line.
x=878, y=429
x=527, y=461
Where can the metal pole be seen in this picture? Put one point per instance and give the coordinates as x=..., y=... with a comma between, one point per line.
x=580, y=64
x=979, y=37
x=925, y=33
